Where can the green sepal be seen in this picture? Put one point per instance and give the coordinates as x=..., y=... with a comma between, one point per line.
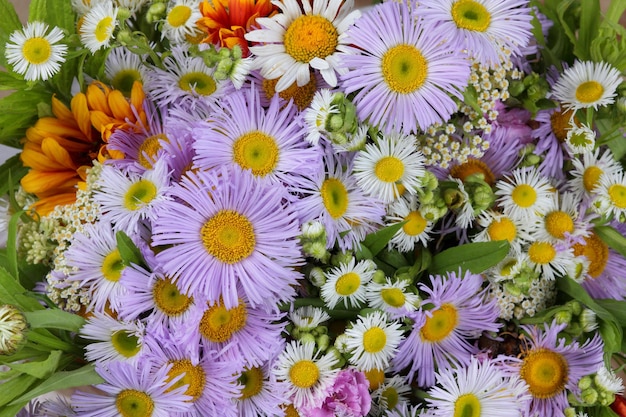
x=473, y=257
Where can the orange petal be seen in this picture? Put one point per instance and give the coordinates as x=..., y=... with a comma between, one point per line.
x=56, y=152
x=45, y=205
x=81, y=115
x=50, y=126
x=60, y=110
x=33, y=157
x=48, y=182
x=120, y=108
x=97, y=99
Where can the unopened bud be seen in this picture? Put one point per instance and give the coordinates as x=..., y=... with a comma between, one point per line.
x=13, y=328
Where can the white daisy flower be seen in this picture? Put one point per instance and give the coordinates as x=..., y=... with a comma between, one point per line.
x=465, y=214
x=497, y=226
x=35, y=53
x=346, y=283
x=506, y=269
x=611, y=195
x=295, y=41
x=581, y=139
x=82, y=7
x=318, y=112
x=392, y=394
x=608, y=382
x=373, y=341
x=307, y=374
x=113, y=340
x=240, y=71
x=587, y=84
x=478, y=389
x=308, y=318
x=132, y=5
x=180, y=20
x=123, y=68
x=586, y=173
x=389, y=167
x=127, y=199
x=549, y=259
x=96, y=31
x=561, y=220
x=393, y=297
x=525, y=195
x=416, y=230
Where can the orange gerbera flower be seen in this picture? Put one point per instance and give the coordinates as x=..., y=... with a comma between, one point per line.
x=227, y=21
x=58, y=150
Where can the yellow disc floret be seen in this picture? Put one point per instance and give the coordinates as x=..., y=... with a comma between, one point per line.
x=228, y=236
x=404, y=68
x=310, y=36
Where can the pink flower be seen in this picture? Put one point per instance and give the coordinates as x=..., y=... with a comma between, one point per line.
x=348, y=397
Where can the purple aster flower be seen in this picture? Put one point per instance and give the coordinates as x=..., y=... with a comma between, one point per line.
x=441, y=337
x=402, y=70
x=269, y=142
x=132, y=390
x=237, y=235
x=348, y=397
x=551, y=367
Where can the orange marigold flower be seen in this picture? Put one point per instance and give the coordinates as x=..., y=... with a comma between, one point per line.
x=227, y=21
x=59, y=150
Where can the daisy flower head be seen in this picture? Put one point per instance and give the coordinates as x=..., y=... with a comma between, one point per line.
x=307, y=318
x=127, y=199
x=392, y=394
x=581, y=139
x=549, y=258
x=98, y=25
x=416, y=230
x=587, y=84
x=551, y=367
x=611, y=196
x=316, y=115
x=346, y=283
x=308, y=373
x=587, y=170
x=373, y=341
x=562, y=220
x=498, y=226
x=113, y=340
x=392, y=297
x=332, y=197
x=261, y=393
x=132, y=390
x=441, y=336
x=36, y=53
x=180, y=20
x=302, y=37
x=525, y=194
x=404, y=75
x=478, y=389
x=490, y=30
x=123, y=68
x=239, y=236
x=388, y=167
x=266, y=141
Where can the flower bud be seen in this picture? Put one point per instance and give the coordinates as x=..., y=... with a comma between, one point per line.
x=313, y=230
x=379, y=277
x=307, y=338
x=317, y=277
x=323, y=342
x=588, y=320
x=589, y=396
x=13, y=328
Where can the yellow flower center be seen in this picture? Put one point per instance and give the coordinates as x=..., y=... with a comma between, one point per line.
x=374, y=340
x=502, y=229
x=558, y=223
x=168, y=298
x=194, y=377
x=393, y=297
x=471, y=15
x=545, y=372
x=104, y=28
x=415, y=224
x=124, y=80
x=541, y=252
x=348, y=283
x=507, y=268
x=133, y=403
x=302, y=96
x=596, y=252
x=252, y=382
x=256, y=151
x=228, y=236
x=591, y=177
x=304, y=374
x=440, y=324
x=375, y=377
x=524, y=195
x=125, y=343
x=390, y=397
x=146, y=155
x=473, y=166
x=179, y=15
x=310, y=36
x=389, y=169
x=404, y=68
x=139, y=194
x=112, y=266
x=335, y=197
x=589, y=92
x=467, y=405
x=617, y=194
x=219, y=324
x=198, y=82
x=37, y=50
x=290, y=410
x=560, y=123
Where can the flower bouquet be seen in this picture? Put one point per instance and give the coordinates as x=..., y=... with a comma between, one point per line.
x=305, y=208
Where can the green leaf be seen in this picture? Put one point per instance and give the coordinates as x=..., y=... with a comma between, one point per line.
x=11, y=172
x=616, y=307
x=9, y=23
x=129, y=252
x=588, y=30
x=54, y=319
x=377, y=241
x=9, y=81
x=41, y=369
x=12, y=388
x=613, y=238
x=18, y=112
x=11, y=292
x=474, y=257
x=393, y=258
x=86, y=375
x=38, y=11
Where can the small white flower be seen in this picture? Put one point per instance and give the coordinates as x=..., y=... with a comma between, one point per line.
x=525, y=195
x=587, y=84
x=373, y=341
x=581, y=139
x=611, y=195
x=180, y=20
x=346, y=283
x=96, y=31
